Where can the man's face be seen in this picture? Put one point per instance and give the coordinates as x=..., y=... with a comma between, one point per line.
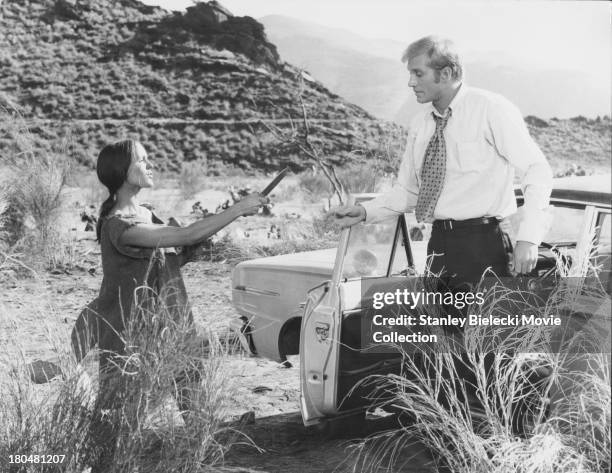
x=424, y=80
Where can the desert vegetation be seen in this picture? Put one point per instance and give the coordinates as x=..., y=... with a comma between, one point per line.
x=56, y=417
x=536, y=403
x=194, y=94
x=190, y=93
x=146, y=431
x=215, y=109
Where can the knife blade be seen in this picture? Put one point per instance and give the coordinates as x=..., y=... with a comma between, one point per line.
x=275, y=181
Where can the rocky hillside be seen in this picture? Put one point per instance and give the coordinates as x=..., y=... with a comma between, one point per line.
x=575, y=144
x=197, y=85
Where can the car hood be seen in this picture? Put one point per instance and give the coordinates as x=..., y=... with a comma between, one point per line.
x=319, y=261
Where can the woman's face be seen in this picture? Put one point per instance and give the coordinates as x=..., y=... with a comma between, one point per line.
x=139, y=172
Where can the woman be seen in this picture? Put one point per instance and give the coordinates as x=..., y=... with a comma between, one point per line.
x=139, y=251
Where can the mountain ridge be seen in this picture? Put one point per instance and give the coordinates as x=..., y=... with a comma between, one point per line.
x=112, y=69
x=201, y=85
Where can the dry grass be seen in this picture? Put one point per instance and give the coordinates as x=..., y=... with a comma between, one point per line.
x=531, y=408
x=356, y=178
x=31, y=193
x=142, y=430
x=230, y=251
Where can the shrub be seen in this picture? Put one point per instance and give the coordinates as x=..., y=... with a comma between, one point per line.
x=316, y=184
x=191, y=177
x=360, y=178
x=227, y=250
x=356, y=178
x=34, y=187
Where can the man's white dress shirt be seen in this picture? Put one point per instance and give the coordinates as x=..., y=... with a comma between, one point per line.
x=486, y=141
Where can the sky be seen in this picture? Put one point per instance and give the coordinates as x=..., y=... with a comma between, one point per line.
x=543, y=34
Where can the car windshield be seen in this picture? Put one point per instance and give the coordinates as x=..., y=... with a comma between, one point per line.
x=369, y=249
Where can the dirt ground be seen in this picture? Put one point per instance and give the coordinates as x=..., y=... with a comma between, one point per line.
x=265, y=388
x=43, y=308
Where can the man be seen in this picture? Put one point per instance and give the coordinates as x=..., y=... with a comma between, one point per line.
x=458, y=170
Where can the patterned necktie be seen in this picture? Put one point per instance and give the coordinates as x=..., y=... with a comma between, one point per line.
x=433, y=171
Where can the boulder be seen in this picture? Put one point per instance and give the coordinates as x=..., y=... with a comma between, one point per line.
x=535, y=121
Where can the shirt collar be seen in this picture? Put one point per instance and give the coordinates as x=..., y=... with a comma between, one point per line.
x=455, y=103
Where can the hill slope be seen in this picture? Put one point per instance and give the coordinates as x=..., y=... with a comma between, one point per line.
x=192, y=85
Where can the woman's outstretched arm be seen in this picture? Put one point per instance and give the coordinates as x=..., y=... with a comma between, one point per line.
x=154, y=236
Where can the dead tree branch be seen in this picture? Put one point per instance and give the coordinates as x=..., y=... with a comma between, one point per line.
x=301, y=139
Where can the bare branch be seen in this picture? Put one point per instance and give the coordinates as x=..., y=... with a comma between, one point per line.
x=302, y=140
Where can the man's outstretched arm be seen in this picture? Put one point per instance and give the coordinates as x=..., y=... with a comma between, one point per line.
x=402, y=197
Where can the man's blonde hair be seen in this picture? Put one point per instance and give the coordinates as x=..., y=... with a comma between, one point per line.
x=441, y=52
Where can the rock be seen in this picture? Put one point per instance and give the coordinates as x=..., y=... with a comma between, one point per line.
x=41, y=371
x=535, y=121
x=247, y=418
x=90, y=219
x=183, y=99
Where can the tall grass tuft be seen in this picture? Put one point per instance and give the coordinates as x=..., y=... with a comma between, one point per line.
x=529, y=408
x=140, y=428
x=40, y=419
x=32, y=188
x=35, y=192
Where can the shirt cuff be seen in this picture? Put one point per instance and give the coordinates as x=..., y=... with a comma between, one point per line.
x=534, y=224
x=376, y=212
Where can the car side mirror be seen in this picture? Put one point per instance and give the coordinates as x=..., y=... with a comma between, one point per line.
x=364, y=262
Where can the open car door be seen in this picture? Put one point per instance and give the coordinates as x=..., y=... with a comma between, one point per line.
x=332, y=360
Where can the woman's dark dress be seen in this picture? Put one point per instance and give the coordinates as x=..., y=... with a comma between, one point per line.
x=133, y=276
x=126, y=270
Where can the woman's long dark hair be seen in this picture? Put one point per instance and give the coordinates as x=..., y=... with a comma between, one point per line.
x=112, y=167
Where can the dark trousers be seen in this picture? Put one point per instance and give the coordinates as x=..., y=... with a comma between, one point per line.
x=462, y=255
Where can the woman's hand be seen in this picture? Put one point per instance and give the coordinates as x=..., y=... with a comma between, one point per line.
x=250, y=204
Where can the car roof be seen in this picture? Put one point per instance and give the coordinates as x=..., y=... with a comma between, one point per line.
x=600, y=183
x=592, y=190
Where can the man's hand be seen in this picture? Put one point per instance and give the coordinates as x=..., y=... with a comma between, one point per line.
x=347, y=215
x=525, y=257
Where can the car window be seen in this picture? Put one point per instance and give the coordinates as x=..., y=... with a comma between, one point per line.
x=604, y=225
x=565, y=227
x=602, y=257
x=369, y=249
x=603, y=245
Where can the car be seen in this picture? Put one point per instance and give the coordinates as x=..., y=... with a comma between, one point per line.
x=311, y=304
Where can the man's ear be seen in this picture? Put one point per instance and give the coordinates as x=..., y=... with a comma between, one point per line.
x=446, y=74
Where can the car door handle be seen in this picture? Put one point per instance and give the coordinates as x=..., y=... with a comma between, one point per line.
x=253, y=290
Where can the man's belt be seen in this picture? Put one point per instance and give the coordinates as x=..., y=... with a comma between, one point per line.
x=451, y=224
